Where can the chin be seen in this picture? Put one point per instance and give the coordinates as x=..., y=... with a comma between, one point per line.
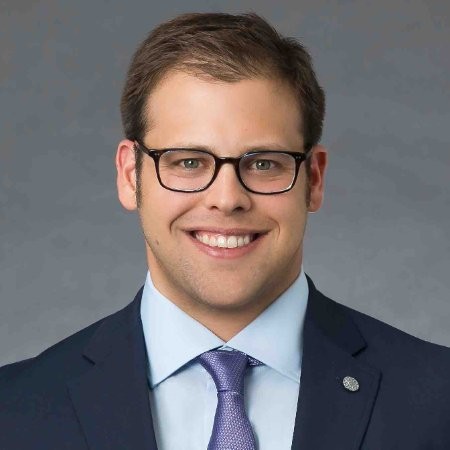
x=229, y=302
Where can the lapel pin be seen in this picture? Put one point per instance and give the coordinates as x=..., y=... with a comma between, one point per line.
x=351, y=384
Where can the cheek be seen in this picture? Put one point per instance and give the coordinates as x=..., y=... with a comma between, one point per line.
x=289, y=211
x=161, y=208
x=293, y=222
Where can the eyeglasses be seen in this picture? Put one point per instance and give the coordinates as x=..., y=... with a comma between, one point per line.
x=260, y=172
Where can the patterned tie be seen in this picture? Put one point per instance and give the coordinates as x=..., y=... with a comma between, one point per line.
x=232, y=429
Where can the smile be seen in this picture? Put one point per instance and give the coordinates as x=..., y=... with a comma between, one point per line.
x=224, y=241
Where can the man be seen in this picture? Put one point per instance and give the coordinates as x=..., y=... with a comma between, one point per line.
x=228, y=345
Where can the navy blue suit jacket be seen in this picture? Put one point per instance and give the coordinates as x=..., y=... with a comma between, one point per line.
x=90, y=392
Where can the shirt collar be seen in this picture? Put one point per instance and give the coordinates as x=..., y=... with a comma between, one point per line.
x=173, y=338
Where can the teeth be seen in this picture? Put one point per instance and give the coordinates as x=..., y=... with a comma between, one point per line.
x=224, y=241
x=232, y=242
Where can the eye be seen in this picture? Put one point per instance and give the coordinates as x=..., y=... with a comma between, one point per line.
x=263, y=164
x=190, y=163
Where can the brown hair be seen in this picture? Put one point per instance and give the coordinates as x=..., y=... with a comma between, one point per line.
x=223, y=47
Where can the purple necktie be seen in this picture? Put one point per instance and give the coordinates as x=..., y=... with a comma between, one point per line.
x=232, y=429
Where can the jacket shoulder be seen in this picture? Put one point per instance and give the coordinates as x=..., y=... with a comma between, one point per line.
x=54, y=365
x=70, y=357
x=411, y=367
x=413, y=398
x=404, y=360
x=388, y=339
x=59, y=359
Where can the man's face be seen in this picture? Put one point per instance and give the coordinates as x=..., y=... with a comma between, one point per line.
x=228, y=119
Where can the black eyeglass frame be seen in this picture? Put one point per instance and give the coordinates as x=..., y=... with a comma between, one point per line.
x=219, y=161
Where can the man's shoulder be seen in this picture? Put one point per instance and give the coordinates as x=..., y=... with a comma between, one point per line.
x=399, y=354
x=379, y=344
x=383, y=334
x=68, y=358
x=33, y=389
x=413, y=394
x=37, y=394
x=56, y=362
x=55, y=365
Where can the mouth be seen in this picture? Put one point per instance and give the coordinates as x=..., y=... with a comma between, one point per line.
x=222, y=240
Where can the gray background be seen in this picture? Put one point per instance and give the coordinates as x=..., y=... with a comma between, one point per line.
x=69, y=254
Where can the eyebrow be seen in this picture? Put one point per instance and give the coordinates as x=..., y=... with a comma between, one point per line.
x=265, y=146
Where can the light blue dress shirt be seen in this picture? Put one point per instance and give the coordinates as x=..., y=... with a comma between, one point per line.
x=183, y=396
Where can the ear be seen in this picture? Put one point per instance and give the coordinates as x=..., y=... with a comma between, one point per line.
x=319, y=159
x=126, y=174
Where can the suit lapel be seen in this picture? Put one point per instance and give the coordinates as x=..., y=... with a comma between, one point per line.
x=329, y=415
x=111, y=398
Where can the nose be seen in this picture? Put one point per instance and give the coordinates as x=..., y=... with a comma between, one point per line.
x=226, y=193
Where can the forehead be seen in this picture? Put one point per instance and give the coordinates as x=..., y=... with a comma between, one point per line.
x=183, y=106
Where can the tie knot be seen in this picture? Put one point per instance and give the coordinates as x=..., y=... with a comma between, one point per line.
x=227, y=368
